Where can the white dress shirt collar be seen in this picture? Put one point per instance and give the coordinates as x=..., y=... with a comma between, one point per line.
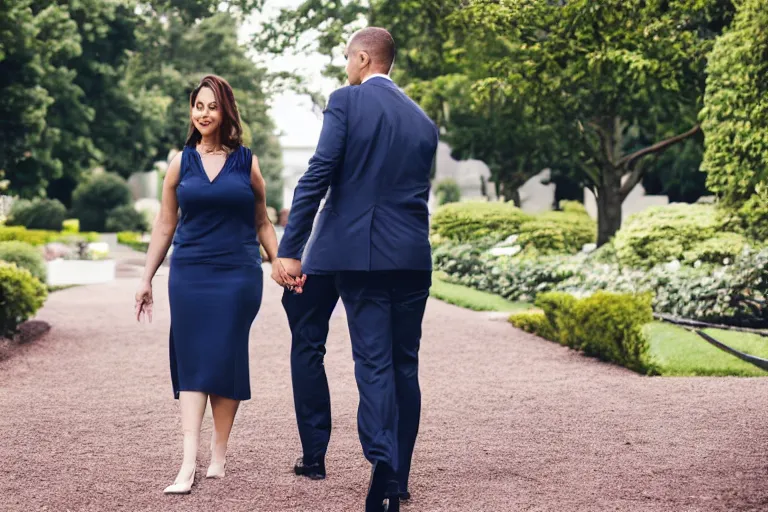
x=377, y=75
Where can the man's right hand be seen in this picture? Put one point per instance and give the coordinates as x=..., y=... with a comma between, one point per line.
x=287, y=273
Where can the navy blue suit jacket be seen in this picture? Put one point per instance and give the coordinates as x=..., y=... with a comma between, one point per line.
x=375, y=154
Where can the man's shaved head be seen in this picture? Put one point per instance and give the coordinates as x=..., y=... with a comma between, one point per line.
x=370, y=50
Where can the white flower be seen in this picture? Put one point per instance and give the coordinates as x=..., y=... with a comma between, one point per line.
x=505, y=251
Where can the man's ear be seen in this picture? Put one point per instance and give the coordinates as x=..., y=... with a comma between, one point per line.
x=365, y=59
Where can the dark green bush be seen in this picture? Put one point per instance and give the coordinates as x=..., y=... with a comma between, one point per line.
x=126, y=218
x=21, y=295
x=37, y=214
x=606, y=325
x=447, y=191
x=94, y=199
x=25, y=256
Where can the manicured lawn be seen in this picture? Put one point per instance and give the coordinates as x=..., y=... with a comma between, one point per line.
x=676, y=350
x=472, y=299
x=680, y=352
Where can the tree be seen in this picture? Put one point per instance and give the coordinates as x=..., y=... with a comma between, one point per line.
x=72, y=93
x=30, y=43
x=735, y=115
x=479, y=120
x=608, y=71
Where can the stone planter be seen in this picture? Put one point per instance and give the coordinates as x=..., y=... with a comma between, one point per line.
x=63, y=272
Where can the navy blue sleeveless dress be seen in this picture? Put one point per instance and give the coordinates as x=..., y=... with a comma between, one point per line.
x=215, y=280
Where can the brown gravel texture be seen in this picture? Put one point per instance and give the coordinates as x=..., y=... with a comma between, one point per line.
x=510, y=422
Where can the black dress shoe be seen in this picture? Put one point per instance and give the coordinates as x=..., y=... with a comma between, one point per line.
x=392, y=503
x=313, y=471
x=405, y=496
x=383, y=491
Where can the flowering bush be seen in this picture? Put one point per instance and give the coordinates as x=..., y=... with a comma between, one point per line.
x=734, y=292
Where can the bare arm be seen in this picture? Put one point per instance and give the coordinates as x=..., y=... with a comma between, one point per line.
x=266, y=230
x=165, y=224
x=264, y=227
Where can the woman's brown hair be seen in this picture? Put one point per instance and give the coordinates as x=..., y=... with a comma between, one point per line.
x=231, y=130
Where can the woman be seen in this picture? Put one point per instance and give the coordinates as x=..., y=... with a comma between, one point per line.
x=214, y=210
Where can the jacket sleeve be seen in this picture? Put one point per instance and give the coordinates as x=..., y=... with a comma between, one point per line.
x=313, y=185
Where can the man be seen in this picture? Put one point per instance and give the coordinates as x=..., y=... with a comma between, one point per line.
x=375, y=153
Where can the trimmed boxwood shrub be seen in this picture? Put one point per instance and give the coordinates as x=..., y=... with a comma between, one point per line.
x=37, y=214
x=608, y=326
x=486, y=223
x=665, y=233
x=472, y=220
x=534, y=322
x=25, y=256
x=21, y=295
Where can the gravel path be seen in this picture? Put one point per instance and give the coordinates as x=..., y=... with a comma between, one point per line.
x=511, y=423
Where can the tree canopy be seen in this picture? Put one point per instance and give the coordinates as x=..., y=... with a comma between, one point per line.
x=86, y=83
x=735, y=115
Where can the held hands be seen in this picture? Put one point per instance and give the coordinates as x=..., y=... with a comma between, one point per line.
x=144, y=302
x=287, y=273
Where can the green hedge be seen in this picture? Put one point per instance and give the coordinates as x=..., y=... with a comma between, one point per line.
x=132, y=240
x=608, y=326
x=42, y=237
x=25, y=256
x=487, y=223
x=675, y=232
x=21, y=295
